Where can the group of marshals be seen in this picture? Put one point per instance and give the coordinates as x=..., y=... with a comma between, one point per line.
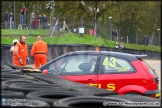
x=20, y=52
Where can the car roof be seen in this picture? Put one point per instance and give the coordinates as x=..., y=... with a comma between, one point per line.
x=128, y=56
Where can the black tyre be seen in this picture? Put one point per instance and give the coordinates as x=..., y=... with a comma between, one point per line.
x=11, y=71
x=88, y=101
x=26, y=103
x=29, y=88
x=11, y=94
x=7, y=70
x=50, y=96
x=13, y=76
x=136, y=98
x=14, y=72
x=5, y=67
x=5, y=84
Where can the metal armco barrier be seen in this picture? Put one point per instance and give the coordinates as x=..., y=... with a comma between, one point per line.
x=56, y=50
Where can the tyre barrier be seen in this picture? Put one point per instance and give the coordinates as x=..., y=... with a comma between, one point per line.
x=26, y=103
x=4, y=86
x=19, y=81
x=50, y=96
x=88, y=101
x=27, y=85
x=13, y=76
x=12, y=94
x=29, y=88
x=65, y=84
x=11, y=71
x=5, y=67
x=7, y=70
x=19, y=67
x=136, y=98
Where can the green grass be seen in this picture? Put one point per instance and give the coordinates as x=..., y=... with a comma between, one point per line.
x=7, y=37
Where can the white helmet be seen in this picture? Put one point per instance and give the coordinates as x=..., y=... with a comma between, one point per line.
x=15, y=40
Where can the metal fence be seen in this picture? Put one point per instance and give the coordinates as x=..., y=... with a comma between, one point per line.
x=73, y=25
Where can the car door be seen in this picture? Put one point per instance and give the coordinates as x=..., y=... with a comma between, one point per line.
x=115, y=73
x=77, y=68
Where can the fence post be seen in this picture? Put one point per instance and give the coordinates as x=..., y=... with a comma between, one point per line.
x=10, y=22
x=127, y=39
x=137, y=37
x=31, y=22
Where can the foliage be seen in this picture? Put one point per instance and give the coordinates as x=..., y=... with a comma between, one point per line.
x=7, y=38
x=127, y=16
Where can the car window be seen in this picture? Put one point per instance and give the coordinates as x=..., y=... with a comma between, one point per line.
x=75, y=64
x=150, y=69
x=116, y=65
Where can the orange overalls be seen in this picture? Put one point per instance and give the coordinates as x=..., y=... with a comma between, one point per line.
x=39, y=51
x=20, y=51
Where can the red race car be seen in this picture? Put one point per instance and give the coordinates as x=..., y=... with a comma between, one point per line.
x=121, y=72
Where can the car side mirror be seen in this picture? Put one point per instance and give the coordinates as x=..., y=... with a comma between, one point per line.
x=45, y=71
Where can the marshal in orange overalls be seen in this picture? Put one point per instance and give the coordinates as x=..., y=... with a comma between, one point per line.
x=20, y=51
x=39, y=51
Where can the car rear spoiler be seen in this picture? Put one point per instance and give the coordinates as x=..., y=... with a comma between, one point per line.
x=140, y=56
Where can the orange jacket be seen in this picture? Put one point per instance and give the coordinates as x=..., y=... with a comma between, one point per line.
x=39, y=47
x=20, y=51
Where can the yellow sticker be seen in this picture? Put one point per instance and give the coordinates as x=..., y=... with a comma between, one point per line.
x=126, y=69
x=105, y=62
x=112, y=62
x=120, y=69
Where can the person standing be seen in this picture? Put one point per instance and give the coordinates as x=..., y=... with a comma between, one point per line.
x=6, y=19
x=32, y=20
x=40, y=20
x=23, y=15
x=113, y=34
x=147, y=40
x=38, y=52
x=12, y=48
x=45, y=21
x=11, y=19
x=116, y=35
x=20, y=53
x=14, y=43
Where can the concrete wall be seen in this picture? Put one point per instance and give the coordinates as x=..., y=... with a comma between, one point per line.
x=57, y=50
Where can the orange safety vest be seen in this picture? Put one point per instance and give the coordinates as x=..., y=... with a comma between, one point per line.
x=39, y=47
x=20, y=51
